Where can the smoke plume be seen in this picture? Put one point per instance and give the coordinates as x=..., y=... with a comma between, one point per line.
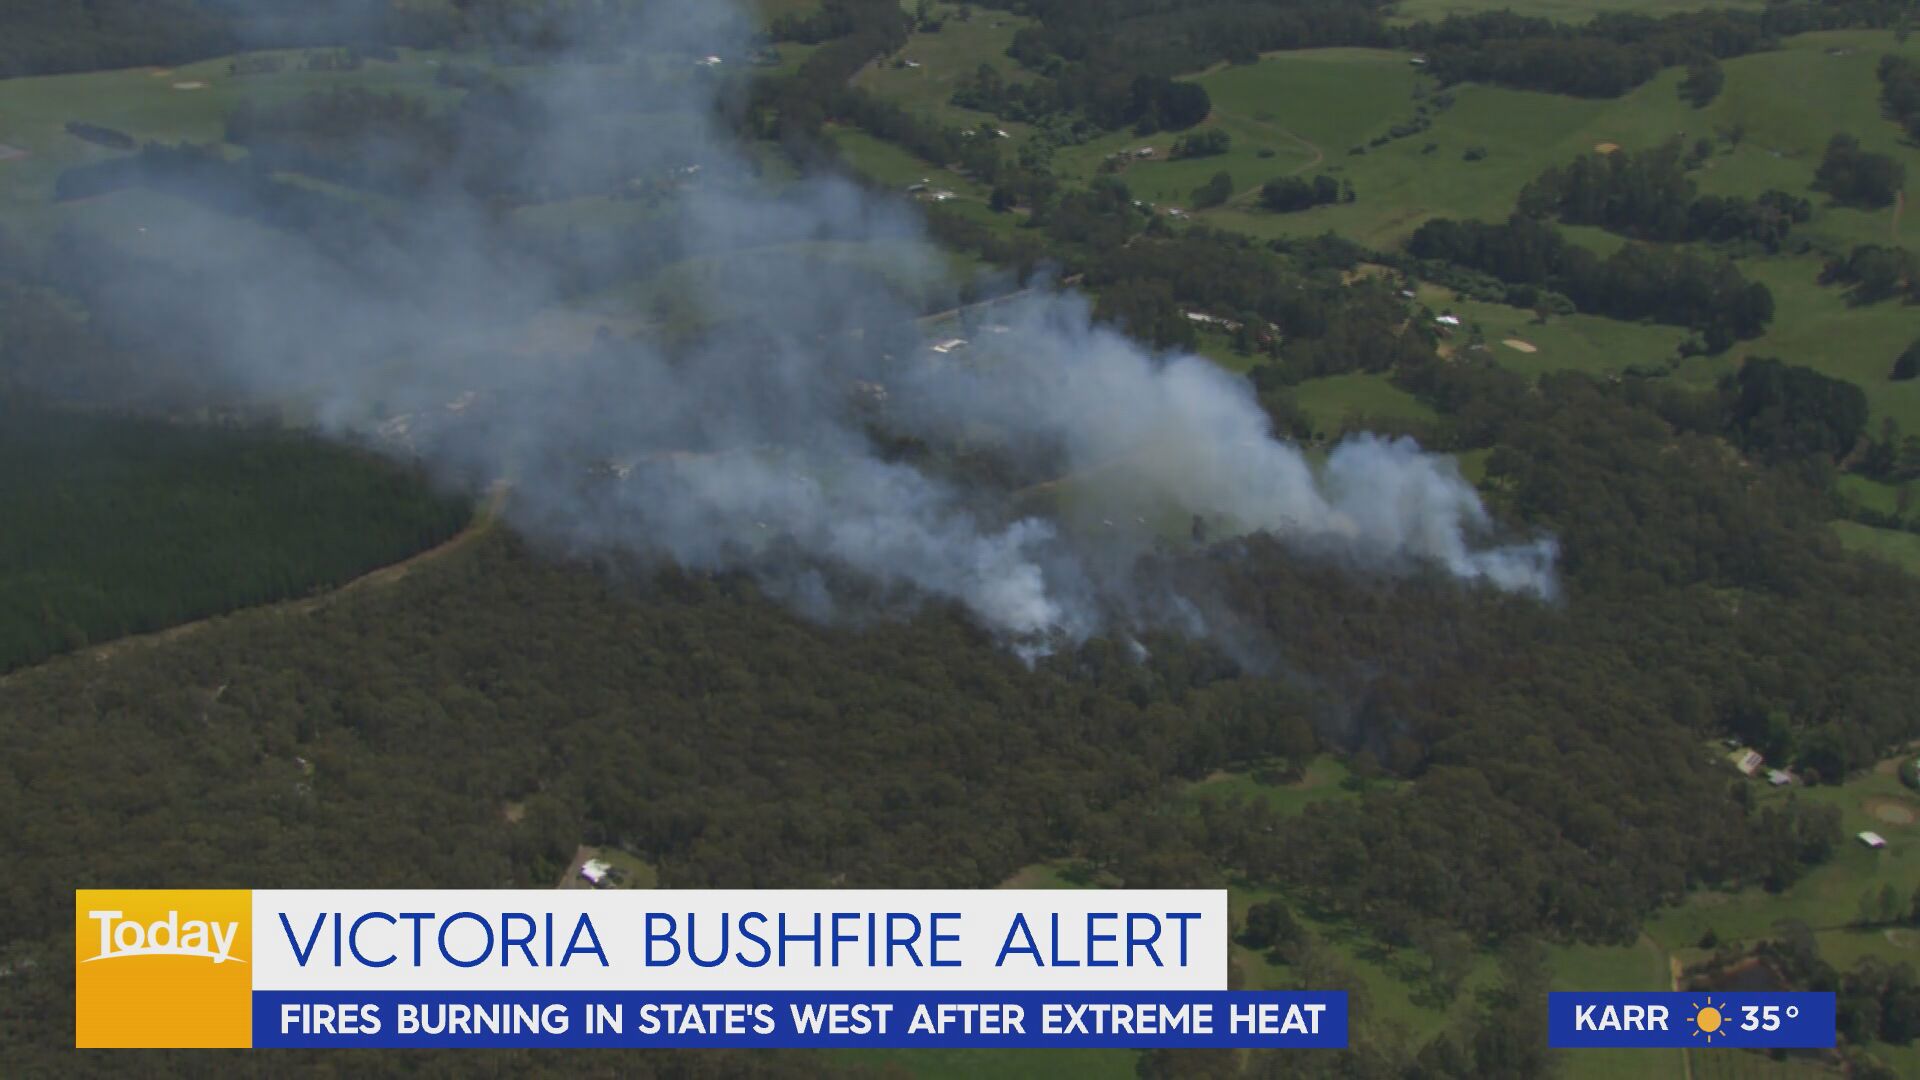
x=749, y=407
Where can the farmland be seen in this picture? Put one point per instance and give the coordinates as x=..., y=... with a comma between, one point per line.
x=1783, y=106
x=1572, y=11
x=1326, y=111
x=189, y=103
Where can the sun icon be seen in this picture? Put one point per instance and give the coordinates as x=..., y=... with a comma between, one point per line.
x=1707, y=1020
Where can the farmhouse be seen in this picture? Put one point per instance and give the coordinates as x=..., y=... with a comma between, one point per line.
x=1748, y=761
x=1873, y=840
x=594, y=872
x=1779, y=777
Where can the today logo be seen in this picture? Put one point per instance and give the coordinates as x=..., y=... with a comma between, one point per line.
x=162, y=967
x=123, y=937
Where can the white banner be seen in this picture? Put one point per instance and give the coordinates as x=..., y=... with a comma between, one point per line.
x=763, y=940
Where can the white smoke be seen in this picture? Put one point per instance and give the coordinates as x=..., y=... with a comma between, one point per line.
x=729, y=428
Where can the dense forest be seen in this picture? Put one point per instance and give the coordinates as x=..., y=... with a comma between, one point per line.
x=118, y=525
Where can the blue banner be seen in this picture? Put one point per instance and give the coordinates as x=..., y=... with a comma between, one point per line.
x=841, y=1019
x=1691, y=1018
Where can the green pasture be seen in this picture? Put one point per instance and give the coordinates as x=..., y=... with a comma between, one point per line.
x=1828, y=898
x=1340, y=403
x=1568, y=11
x=1588, y=343
x=1781, y=107
x=1814, y=325
x=945, y=59
x=895, y=167
x=1880, y=497
x=1297, y=114
x=144, y=103
x=1899, y=548
x=1324, y=777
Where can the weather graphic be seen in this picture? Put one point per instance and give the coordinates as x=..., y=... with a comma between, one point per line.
x=1707, y=1019
x=1693, y=1018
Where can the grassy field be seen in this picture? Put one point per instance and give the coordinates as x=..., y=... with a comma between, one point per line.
x=1580, y=342
x=1340, y=403
x=1826, y=899
x=1724, y=1064
x=1881, y=498
x=144, y=103
x=1570, y=11
x=1323, y=778
x=707, y=289
x=1785, y=105
x=1301, y=113
x=1813, y=325
x=946, y=58
x=890, y=165
x=1899, y=548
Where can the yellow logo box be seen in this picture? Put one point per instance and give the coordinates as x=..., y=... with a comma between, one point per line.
x=163, y=968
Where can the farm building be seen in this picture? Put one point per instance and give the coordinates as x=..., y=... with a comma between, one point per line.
x=594, y=872
x=1779, y=777
x=1873, y=840
x=1748, y=761
x=950, y=345
x=1212, y=320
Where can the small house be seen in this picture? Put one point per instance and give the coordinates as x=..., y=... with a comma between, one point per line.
x=1447, y=320
x=594, y=872
x=1779, y=777
x=1873, y=840
x=1748, y=761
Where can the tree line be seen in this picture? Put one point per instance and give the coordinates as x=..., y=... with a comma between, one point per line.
x=1900, y=92
x=1650, y=196
x=1636, y=282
